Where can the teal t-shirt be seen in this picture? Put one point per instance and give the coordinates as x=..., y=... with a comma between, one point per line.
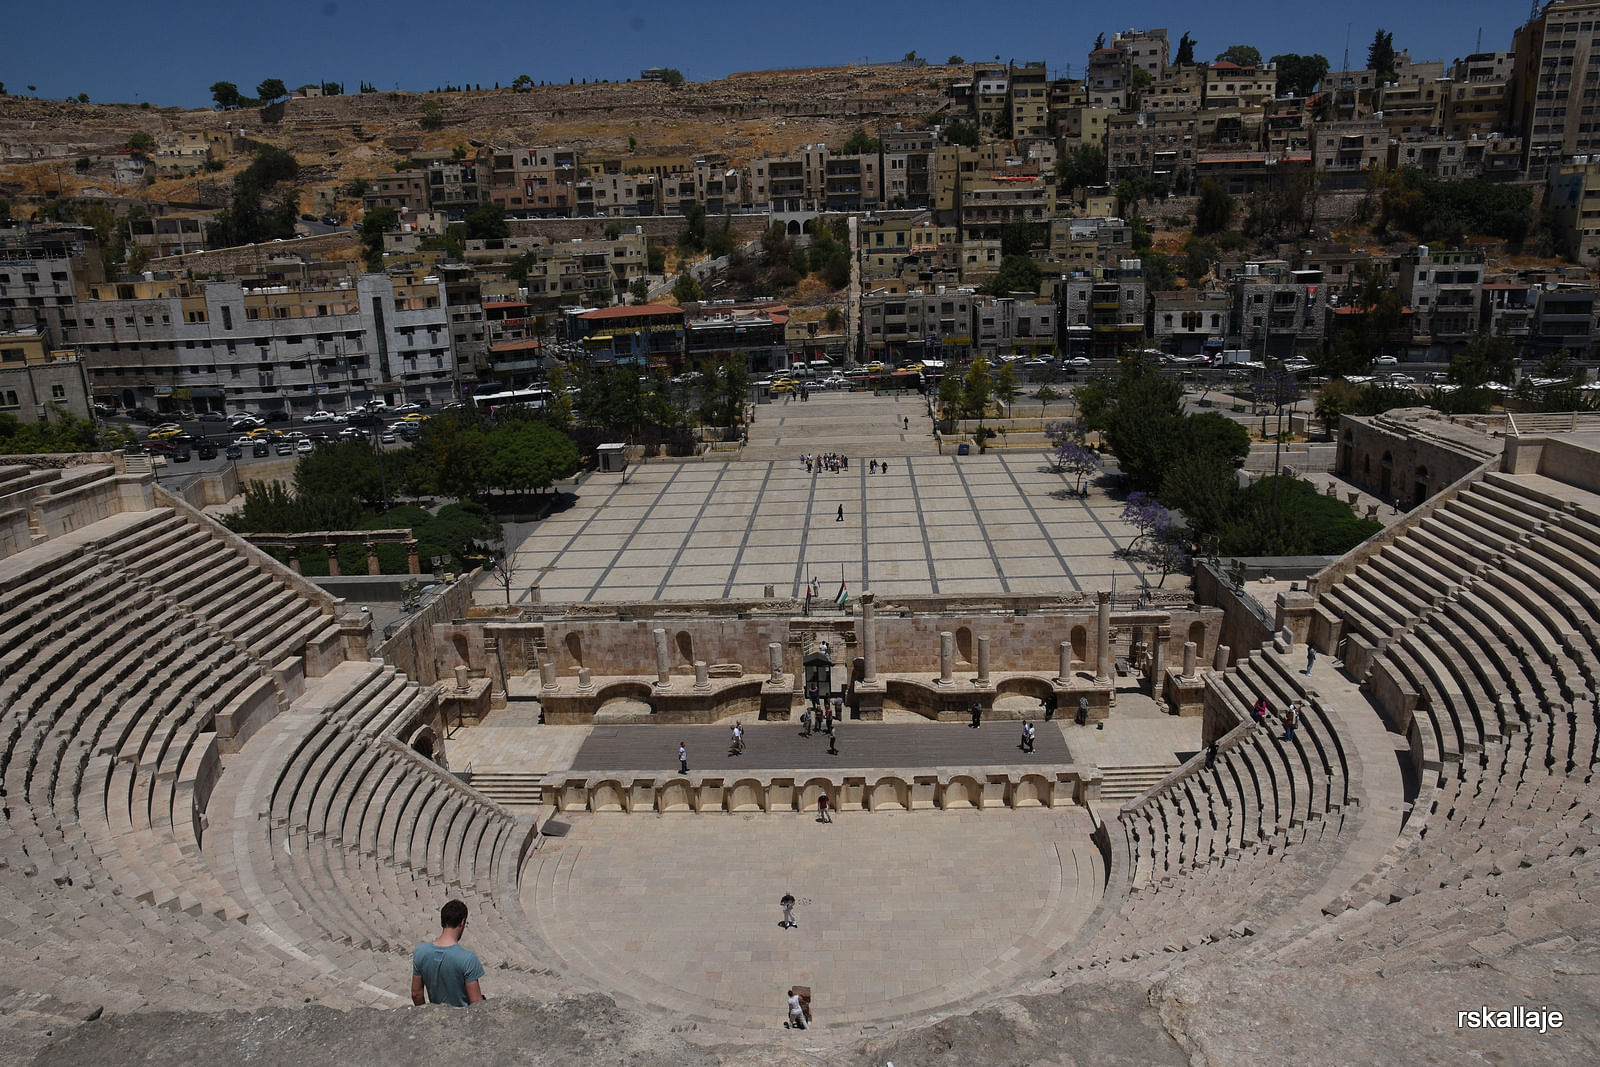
x=446, y=972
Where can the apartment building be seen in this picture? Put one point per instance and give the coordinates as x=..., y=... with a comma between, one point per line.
x=1507, y=311
x=955, y=167
x=1278, y=312
x=792, y=184
x=1556, y=66
x=988, y=204
x=1151, y=143
x=1441, y=157
x=644, y=335
x=1101, y=313
x=1574, y=198
x=39, y=272
x=1445, y=289
x=851, y=183
x=1476, y=108
x=908, y=168
x=1087, y=243
x=534, y=182
x=1030, y=100
x=991, y=96
x=1412, y=107
x=1180, y=89
x=899, y=328
x=220, y=346
x=1147, y=50
x=716, y=330
x=1228, y=85
x=453, y=188
x=617, y=195
x=1188, y=322
x=403, y=191
x=1564, y=320
x=1350, y=94
x=1109, y=82
x=38, y=382
x=1343, y=152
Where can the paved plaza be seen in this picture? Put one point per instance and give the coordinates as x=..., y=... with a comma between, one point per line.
x=899, y=913
x=729, y=528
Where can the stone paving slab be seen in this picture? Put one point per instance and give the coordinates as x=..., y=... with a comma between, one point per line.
x=899, y=913
x=728, y=528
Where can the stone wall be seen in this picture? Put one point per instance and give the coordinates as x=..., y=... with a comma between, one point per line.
x=1400, y=461
x=418, y=647
x=660, y=229
x=1245, y=624
x=246, y=258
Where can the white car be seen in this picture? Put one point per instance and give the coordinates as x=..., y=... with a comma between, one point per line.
x=246, y=422
x=304, y=445
x=1036, y=363
x=838, y=381
x=1386, y=361
x=294, y=435
x=1076, y=361
x=322, y=416
x=1401, y=379
x=403, y=408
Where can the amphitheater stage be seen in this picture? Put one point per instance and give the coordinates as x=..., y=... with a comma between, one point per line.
x=781, y=746
x=899, y=914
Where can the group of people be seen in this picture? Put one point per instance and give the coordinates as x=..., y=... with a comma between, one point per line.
x=1260, y=714
x=821, y=715
x=1028, y=735
x=832, y=462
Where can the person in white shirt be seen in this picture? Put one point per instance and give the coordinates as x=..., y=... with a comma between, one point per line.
x=797, y=1012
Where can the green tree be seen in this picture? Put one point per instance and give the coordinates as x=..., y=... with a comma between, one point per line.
x=953, y=61
x=1084, y=166
x=1198, y=256
x=686, y=289
x=141, y=142
x=1211, y=215
x=1019, y=237
x=377, y=222
x=672, y=77
x=522, y=83
x=1185, y=56
x=1005, y=385
x=860, y=143
x=1243, y=55
x=486, y=222
x=1485, y=359
x=1045, y=395
x=959, y=133
x=431, y=115
x=639, y=290
x=1380, y=55
x=655, y=258
x=271, y=89
x=60, y=431
x=1140, y=413
x=225, y=95
x=1159, y=273
x=340, y=469
x=1299, y=74
x=977, y=389
x=523, y=454
x=1017, y=274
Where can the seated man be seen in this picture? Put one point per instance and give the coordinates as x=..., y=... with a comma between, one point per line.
x=447, y=972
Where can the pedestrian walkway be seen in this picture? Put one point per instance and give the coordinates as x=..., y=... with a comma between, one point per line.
x=780, y=746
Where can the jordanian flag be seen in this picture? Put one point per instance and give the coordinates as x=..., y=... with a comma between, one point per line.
x=844, y=594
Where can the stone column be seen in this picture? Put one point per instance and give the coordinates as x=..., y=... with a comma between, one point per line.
x=1221, y=662
x=1158, y=657
x=294, y=559
x=1102, y=641
x=1064, y=671
x=547, y=674
x=333, y=560
x=414, y=565
x=775, y=663
x=1189, y=655
x=663, y=659
x=585, y=679
x=869, y=639
x=983, y=661
x=372, y=559
x=461, y=677
x=947, y=648
x=702, y=675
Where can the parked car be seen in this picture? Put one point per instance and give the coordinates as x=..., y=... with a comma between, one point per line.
x=260, y=448
x=145, y=415
x=285, y=448
x=243, y=421
x=207, y=450
x=233, y=451
x=414, y=416
x=304, y=445
x=387, y=437
x=1075, y=361
x=275, y=416
x=181, y=454
x=212, y=416
x=330, y=220
x=322, y=416
x=403, y=408
x=164, y=431
x=1386, y=361
x=1437, y=376
x=1399, y=378
x=350, y=433
x=1036, y=362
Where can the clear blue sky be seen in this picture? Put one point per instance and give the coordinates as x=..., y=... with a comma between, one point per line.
x=171, y=51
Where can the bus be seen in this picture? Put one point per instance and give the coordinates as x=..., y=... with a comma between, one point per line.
x=531, y=396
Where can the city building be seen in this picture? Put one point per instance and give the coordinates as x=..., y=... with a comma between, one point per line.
x=37, y=382
x=1557, y=62
x=646, y=335
x=1445, y=290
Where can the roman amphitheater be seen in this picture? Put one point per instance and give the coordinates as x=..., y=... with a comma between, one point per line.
x=231, y=807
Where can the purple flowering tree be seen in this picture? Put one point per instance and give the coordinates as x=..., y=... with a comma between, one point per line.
x=1144, y=513
x=1071, y=455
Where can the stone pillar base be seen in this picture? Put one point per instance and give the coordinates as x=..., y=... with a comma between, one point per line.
x=869, y=698
x=777, y=701
x=1185, y=696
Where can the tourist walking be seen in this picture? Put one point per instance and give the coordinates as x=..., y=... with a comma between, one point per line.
x=833, y=740
x=736, y=746
x=827, y=718
x=1311, y=658
x=1083, y=711
x=1291, y=719
x=839, y=517
x=788, y=912
x=976, y=711
x=683, y=759
x=805, y=723
x=1028, y=735
x=822, y=808
x=1211, y=755
x=883, y=468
